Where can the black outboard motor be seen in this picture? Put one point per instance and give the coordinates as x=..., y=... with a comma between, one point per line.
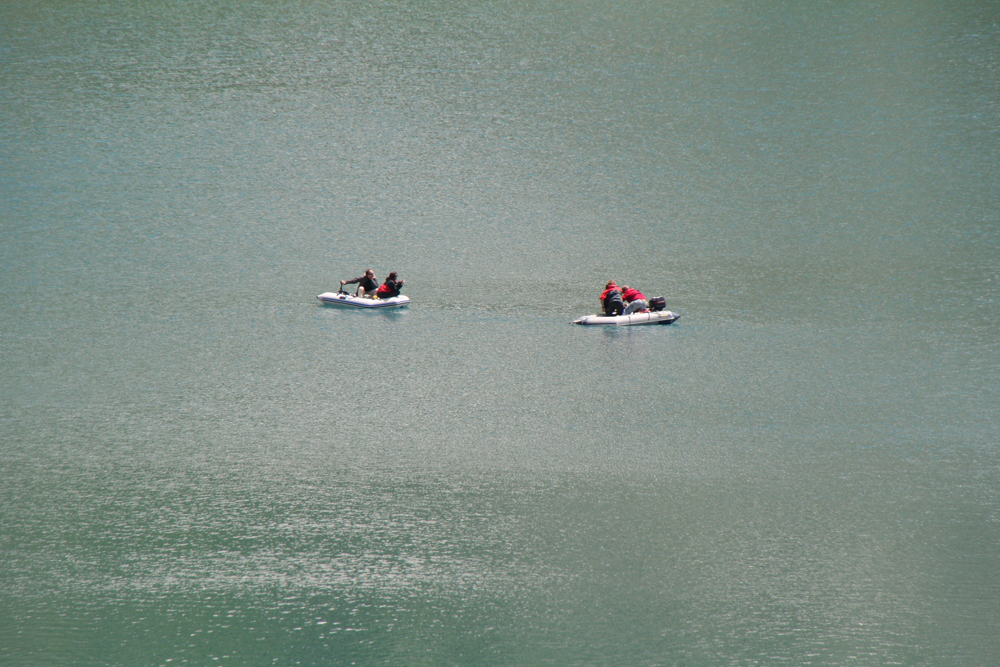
x=657, y=303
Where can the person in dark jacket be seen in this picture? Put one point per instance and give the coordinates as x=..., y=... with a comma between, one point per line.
x=390, y=287
x=366, y=284
x=611, y=299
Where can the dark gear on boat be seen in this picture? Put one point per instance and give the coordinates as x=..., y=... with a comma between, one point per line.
x=657, y=303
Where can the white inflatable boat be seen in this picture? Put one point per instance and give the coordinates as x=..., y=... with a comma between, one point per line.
x=654, y=317
x=351, y=301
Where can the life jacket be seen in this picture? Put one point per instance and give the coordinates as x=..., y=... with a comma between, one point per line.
x=631, y=294
x=387, y=291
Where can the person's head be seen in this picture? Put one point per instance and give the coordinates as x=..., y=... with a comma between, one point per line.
x=369, y=273
x=392, y=275
x=611, y=283
x=625, y=288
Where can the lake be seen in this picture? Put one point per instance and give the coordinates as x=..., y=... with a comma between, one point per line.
x=201, y=464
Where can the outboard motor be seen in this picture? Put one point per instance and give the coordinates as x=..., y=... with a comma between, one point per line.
x=657, y=303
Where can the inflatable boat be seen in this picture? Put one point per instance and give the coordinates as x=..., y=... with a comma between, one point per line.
x=351, y=301
x=654, y=317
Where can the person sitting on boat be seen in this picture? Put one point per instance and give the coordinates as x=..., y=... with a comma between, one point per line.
x=367, y=285
x=635, y=300
x=611, y=299
x=390, y=287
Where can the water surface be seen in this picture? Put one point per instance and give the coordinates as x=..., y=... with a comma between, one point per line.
x=200, y=464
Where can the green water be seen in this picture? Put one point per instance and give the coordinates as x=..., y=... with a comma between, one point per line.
x=199, y=464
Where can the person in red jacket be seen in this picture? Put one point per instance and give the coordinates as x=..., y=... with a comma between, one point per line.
x=390, y=287
x=611, y=299
x=635, y=300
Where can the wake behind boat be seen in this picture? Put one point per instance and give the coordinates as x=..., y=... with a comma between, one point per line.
x=345, y=299
x=649, y=317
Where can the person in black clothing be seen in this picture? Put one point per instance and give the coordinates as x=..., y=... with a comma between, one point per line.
x=390, y=287
x=611, y=300
x=366, y=284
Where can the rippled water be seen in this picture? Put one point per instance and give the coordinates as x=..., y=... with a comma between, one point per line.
x=200, y=464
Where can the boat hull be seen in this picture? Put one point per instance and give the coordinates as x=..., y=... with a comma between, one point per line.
x=349, y=301
x=655, y=317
